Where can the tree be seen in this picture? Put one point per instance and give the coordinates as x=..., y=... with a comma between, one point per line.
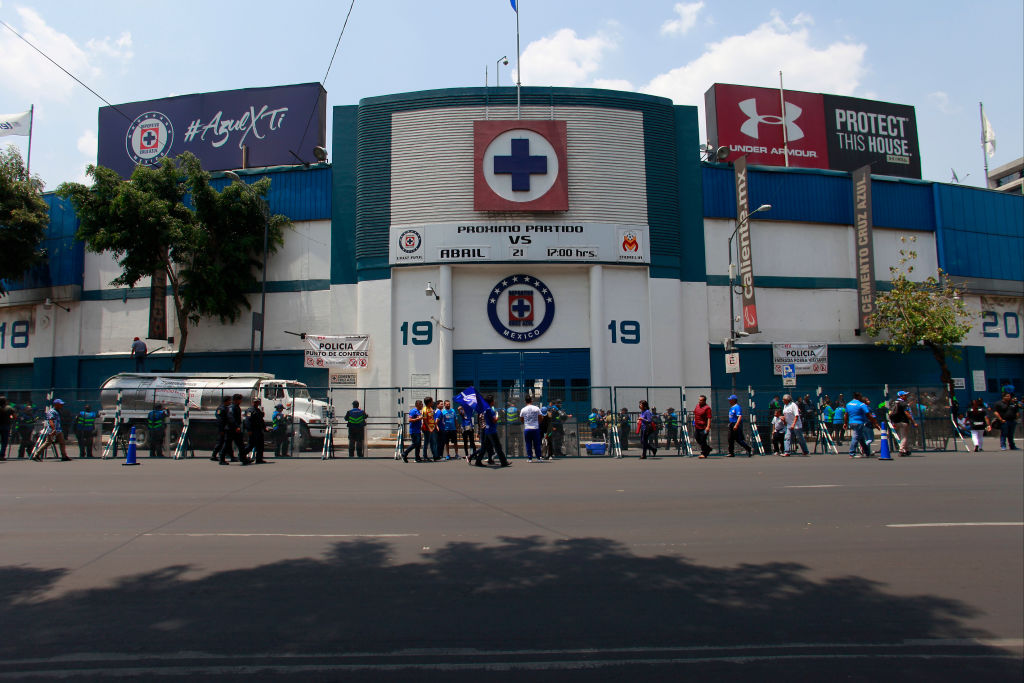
x=24, y=217
x=168, y=218
x=929, y=313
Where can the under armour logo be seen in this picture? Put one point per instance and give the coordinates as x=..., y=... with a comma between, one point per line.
x=790, y=115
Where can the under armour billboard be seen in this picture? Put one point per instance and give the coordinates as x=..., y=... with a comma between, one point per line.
x=276, y=124
x=813, y=130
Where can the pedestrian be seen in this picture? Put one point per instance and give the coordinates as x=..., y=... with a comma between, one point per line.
x=156, y=424
x=530, y=417
x=602, y=420
x=901, y=418
x=624, y=429
x=415, y=432
x=774, y=404
x=468, y=432
x=558, y=418
x=489, y=444
x=736, y=428
x=671, y=421
x=594, y=420
x=659, y=426
x=223, y=444
x=838, y=421
x=235, y=434
x=977, y=420
x=7, y=418
x=256, y=426
x=1006, y=411
x=26, y=423
x=779, y=433
x=702, y=425
x=139, y=351
x=450, y=433
x=279, y=431
x=355, y=418
x=856, y=417
x=52, y=433
x=647, y=430
x=85, y=431
x=430, y=430
x=794, y=426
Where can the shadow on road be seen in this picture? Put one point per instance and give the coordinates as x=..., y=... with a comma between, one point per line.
x=525, y=593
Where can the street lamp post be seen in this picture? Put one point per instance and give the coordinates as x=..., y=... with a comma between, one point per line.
x=497, y=71
x=731, y=345
x=263, y=287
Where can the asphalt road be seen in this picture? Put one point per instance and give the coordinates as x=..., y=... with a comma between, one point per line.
x=582, y=569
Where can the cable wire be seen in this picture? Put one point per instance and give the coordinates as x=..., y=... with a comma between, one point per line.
x=329, y=65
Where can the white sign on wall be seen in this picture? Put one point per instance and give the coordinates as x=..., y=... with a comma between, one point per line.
x=350, y=351
x=807, y=359
x=732, y=362
x=527, y=242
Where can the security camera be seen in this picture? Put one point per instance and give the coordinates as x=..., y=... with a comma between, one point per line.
x=320, y=153
x=505, y=62
x=741, y=333
x=430, y=291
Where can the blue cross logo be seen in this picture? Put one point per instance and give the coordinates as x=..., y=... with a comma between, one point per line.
x=520, y=165
x=149, y=138
x=521, y=307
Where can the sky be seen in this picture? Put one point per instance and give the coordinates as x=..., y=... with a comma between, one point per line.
x=942, y=57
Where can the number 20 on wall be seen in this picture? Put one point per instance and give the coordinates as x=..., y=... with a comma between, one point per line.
x=990, y=324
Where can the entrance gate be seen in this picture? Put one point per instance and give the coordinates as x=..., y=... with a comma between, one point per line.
x=556, y=374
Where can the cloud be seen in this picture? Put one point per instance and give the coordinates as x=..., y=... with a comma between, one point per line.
x=87, y=144
x=687, y=18
x=755, y=58
x=942, y=102
x=612, y=84
x=28, y=74
x=565, y=59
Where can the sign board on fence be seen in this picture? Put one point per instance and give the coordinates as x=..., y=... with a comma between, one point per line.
x=807, y=359
x=789, y=381
x=339, y=378
x=349, y=350
x=419, y=379
x=732, y=362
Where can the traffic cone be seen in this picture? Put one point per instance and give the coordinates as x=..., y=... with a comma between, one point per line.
x=884, y=454
x=129, y=458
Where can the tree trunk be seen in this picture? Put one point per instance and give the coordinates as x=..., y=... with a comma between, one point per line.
x=939, y=353
x=179, y=357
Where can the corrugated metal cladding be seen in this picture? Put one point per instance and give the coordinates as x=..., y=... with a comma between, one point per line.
x=373, y=173
x=814, y=196
x=432, y=165
x=982, y=232
x=302, y=194
x=66, y=254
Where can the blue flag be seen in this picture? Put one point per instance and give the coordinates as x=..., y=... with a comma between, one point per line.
x=471, y=402
x=514, y=6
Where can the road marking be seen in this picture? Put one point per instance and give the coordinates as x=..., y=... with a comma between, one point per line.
x=239, y=535
x=956, y=524
x=815, y=486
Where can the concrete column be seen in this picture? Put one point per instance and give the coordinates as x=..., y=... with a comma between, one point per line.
x=597, y=327
x=445, y=333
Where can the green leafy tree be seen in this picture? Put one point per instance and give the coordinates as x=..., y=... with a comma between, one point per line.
x=24, y=217
x=209, y=248
x=929, y=313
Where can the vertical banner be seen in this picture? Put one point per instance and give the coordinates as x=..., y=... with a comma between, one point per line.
x=158, y=306
x=746, y=257
x=865, y=244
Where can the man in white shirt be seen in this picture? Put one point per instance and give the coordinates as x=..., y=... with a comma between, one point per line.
x=530, y=417
x=794, y=425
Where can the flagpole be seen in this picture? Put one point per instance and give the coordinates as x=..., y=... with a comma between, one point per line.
x=782, y=112
x=984, y=141
x=519, y=66
x=28, y=163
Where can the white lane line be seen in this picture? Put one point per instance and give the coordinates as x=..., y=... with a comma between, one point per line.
x=815, y=486
x=201, y=535
x=956, y=524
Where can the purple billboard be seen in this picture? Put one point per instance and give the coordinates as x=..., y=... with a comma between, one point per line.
x=275, y=124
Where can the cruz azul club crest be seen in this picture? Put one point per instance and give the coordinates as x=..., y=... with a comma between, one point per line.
x=520, y=307
x=149, y=138
x=520, y=166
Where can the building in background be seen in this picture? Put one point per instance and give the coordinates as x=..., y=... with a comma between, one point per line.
x=1008, y=177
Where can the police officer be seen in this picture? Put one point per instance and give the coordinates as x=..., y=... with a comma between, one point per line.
x=156, y=421
x=594, y=420
x=223, y=445
x=558, y=418
x=356, y=421
x=26, y=421
x=234, y=434
x=279, y=430
x=85, y=427
x=671, y=428
x=7, y=418
x=256, y=426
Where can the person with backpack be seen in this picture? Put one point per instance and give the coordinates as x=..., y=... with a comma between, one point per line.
x=902, y=419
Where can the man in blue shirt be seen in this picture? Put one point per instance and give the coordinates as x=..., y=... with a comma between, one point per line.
x=139, y=352
x=736, y=428
x=857, y=417
x=489, y=440
x=450, y=430
x=415, y=432
x=52, y=433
